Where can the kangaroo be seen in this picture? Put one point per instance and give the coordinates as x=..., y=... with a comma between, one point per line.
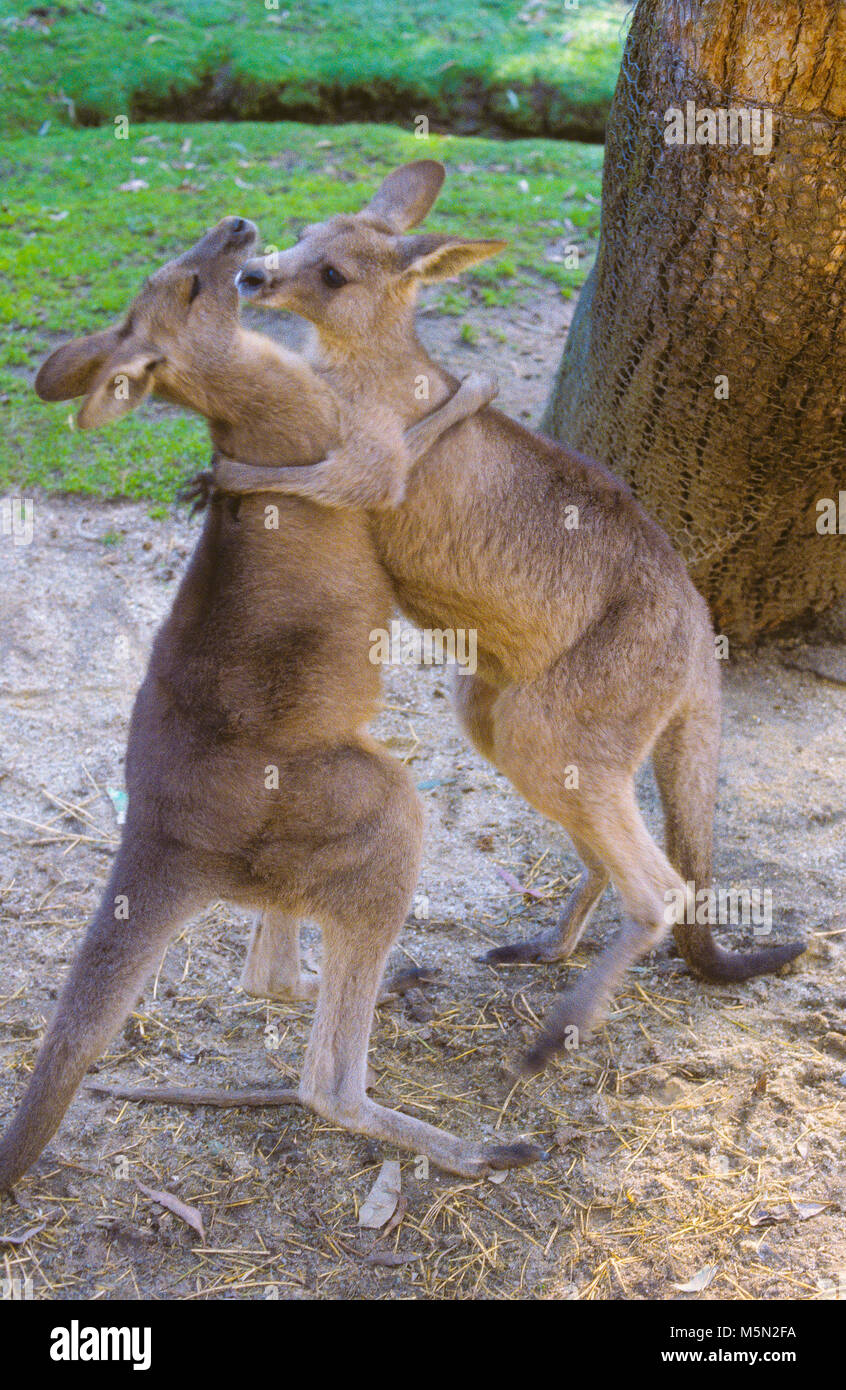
x=249, y=772
x=594, y=648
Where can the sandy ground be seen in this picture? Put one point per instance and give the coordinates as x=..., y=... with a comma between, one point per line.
x=697, y=1137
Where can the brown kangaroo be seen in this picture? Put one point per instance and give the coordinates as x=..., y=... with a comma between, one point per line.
x=594, y=647
x=249, y=773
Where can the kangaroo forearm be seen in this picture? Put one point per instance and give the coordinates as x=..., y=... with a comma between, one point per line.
x=363, y=472
x=327, y=482
x=330, y=482
x=422, y=436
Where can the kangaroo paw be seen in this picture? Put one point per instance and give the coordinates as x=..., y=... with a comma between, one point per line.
x=481, y=386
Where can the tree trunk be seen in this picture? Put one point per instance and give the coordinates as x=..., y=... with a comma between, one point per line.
x=706, y=362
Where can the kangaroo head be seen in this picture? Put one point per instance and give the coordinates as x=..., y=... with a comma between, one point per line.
x=356, y=276
x=175, y=340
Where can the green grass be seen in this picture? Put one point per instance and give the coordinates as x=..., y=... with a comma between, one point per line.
x=516, y=66
x=75, y=248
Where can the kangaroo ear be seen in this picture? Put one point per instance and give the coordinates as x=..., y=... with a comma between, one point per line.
x=429, y=258
x=122, y=385
x=70, y=370
x=406, y=195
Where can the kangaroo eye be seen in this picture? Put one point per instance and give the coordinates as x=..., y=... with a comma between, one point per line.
x=195, y=289
x=332, y=277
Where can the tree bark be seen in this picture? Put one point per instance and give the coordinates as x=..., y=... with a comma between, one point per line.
x=706, y=362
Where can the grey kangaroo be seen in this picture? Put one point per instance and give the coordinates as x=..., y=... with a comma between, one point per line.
x=250, y=774
x=594, y=648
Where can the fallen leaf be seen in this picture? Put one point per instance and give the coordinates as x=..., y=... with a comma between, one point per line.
x=23, y=1237
x=518, y=887
x=189, y=1215
x=381, y=1201
x=786, y=1211
x=700, y=1280
x=396, y=1219
x=762, y=1216
x=803, y=1211
x=389, y=1258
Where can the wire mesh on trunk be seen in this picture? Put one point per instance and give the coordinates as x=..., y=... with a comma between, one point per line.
x=706, y=362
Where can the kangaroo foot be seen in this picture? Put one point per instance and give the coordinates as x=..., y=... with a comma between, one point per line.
x=546, y=946
x=559, y=942
x=566, y=1028
x=445, y=1150
x=262, y=983
x=583, y=1006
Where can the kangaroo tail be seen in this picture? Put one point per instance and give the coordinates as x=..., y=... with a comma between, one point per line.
x=685, y=760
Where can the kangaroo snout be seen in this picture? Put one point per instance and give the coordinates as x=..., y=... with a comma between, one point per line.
x=236, y=233
x=251, y=278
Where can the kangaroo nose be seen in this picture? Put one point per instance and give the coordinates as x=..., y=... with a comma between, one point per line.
x=249, y=279
x=239, y=233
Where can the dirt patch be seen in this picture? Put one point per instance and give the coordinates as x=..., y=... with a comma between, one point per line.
x=696, y=1114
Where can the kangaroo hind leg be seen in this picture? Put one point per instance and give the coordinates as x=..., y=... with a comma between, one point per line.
x=613, y=828
x=273, y=968
x=150, y=893
x=364, y=904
